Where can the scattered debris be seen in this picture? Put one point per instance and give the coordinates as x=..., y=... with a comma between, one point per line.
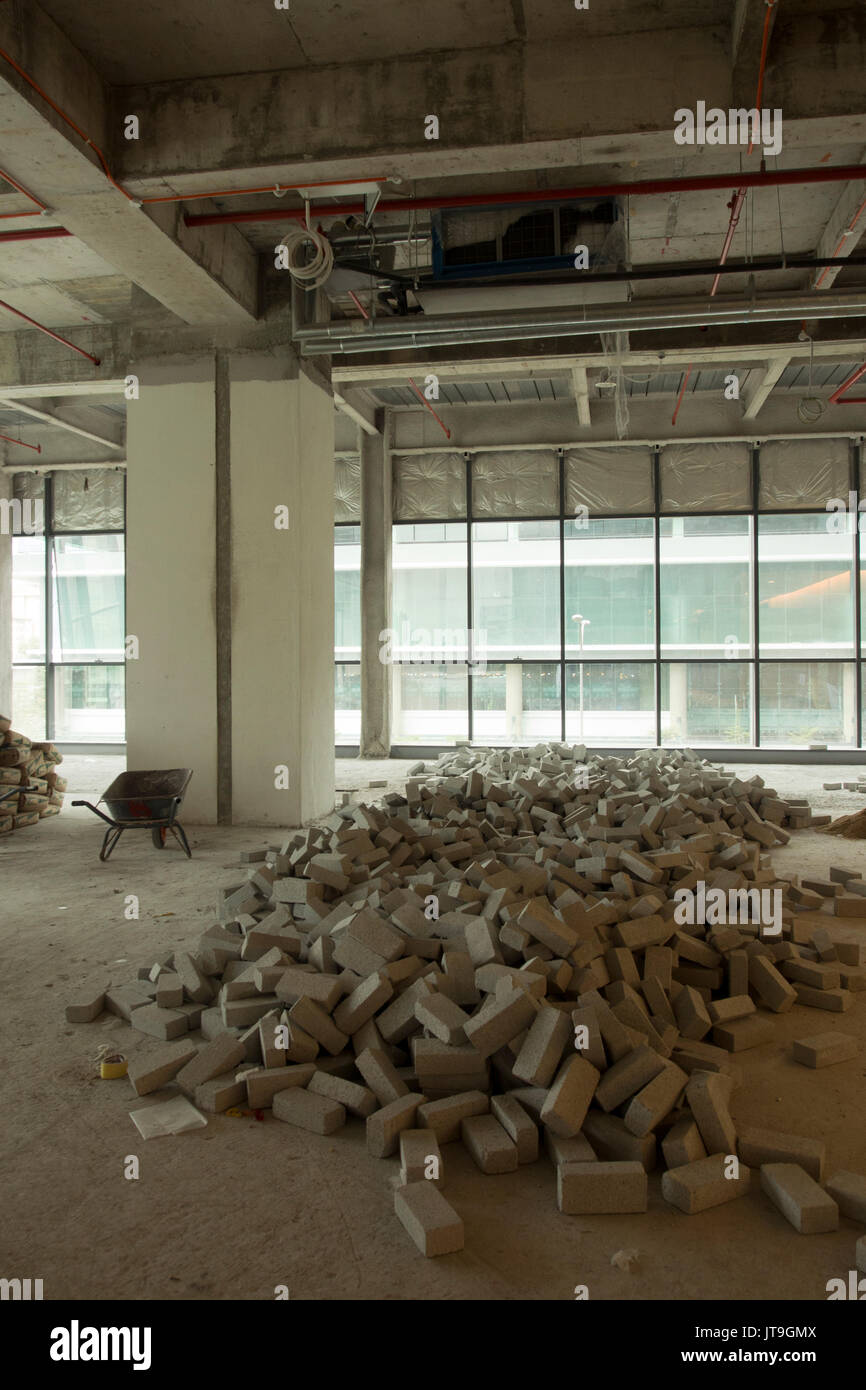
x=524, y=943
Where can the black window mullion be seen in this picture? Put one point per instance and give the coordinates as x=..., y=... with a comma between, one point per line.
x=470, y=616
x=49, y=609
x=856, y=455
x=561, y=455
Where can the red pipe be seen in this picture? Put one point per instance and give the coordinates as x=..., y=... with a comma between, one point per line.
x=424, y=401
x=50, y=331
x=358, y=303
x=736, y=205
x=852, y=400
x=21, y=189
x=33, y=233
x=695, y=183
x=8, y=437
x=682, y=393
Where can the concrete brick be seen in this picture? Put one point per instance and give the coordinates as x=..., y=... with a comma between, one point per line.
x=197, y=986
x=366, y=1000
x=611, y=1140
x=595, y=1051
x=157, y=1069
x=707, y=1096
x=164, y=1024
x=124, y=999
x=418, y=1149
x=306, y=1110
x=683, y=1144
x=576, y=1150
x=442, y=1017
x=489, y=1144
x=398, y=1021
x=726, y=1010
x=297, y=983
x=824, y=1049
x=692, y=1017
x=600, y=1188
x=774, y=991
x=628, y=1076
x=541, y=1053
x=215, y=1058
x=220, y=1093
x=798, y=1197
x=314, y=1020
x=568, y=1100
x=241, y=1013
x=358, y=1100
x=384, y=1126
x=695, y=1187
x=169, y=990
x=381, y=1076
x=836, y=1001
x=445, y=1116
x=860, y=1255
x=88, y=1004
x=848, y=1191
x=500, y=1023
x=743, y=1033
x=429, y=1219
x=265, y=1082
x=518, y=1125
x=757, y=1146
x=656, y=1100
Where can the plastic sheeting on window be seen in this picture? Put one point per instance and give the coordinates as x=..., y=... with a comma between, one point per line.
x=88, y=501
x=515, y=484
x=429, y=486
x=803, y=473
x=347, y=489
x=705, y=477
x=608, y=481
x=28, y=485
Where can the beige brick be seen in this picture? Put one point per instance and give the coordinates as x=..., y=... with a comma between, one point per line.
x=156, y=1069
x=265, y=1082
x=358, y=1100
x=683, y=1144
x=429, y=1219
x=420, y=1156
x=696, y=1187
x=707, y=1096
x=743, y=1033
x=444, y=1116
x=306, y=1110
x=518, y=1125
x=628, y=1076
x=367, y=999
x=798, y=1197
x=600, y=1188
x=757, y=1146
x=848, y=1191
x=380, y=1075
x=384, y=1126
x=489, y=1144
x=568, y=1100
x=500, y=1023
x=541, y=1053
x=655, y=1100
x=823, y=1049
x=216, y=1057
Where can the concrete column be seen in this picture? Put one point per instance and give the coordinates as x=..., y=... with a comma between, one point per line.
x=514, y=701
x=171, y=689
x=375, y=593
x=678, y=699
x=849, y=704
x=6, y=597
x=233, y=612
x=282, y=651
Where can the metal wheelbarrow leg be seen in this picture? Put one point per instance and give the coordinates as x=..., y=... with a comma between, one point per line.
x=109, y=841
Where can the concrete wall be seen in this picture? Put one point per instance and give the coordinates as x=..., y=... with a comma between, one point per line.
x=171, y=713
x=6, y=608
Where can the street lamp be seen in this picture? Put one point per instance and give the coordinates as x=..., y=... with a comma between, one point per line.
x=584, y=622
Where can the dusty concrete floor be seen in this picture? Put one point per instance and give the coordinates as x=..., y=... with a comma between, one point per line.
x=230, y=1211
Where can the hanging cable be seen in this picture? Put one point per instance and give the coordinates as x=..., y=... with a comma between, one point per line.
x=306, y=269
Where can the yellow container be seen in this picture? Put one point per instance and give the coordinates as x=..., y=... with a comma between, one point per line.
x=112, y=1067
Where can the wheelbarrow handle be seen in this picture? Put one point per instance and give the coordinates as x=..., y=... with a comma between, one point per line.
x=95, y=810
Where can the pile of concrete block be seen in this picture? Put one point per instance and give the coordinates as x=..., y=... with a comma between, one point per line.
x=510, y=955
x=31, y=789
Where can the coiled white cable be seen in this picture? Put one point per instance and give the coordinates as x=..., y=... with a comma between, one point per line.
x=309, y=272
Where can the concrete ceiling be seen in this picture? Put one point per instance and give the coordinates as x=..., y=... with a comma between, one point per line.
x=237, y=94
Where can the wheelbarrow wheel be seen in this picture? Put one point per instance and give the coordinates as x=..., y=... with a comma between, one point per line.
x=157, y=834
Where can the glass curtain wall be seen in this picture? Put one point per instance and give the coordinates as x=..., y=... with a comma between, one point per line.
x=702, y=595
x=68, y=582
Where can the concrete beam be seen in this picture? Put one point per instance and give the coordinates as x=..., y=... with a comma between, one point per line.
x=357, y=409
x=547, y=364
x=61, y=420
x=580, y=387
x=755, y=397
x=199, y=277
x=844, y=228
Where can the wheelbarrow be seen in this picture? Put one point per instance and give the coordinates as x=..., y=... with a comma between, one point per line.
x=143, y=801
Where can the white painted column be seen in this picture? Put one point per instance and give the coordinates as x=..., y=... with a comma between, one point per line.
x=6, y=599
x=282, y=650
x=234, y=616
x=514, y=701
x=171, y=693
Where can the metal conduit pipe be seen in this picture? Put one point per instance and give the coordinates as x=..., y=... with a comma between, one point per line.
x=355, y=336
